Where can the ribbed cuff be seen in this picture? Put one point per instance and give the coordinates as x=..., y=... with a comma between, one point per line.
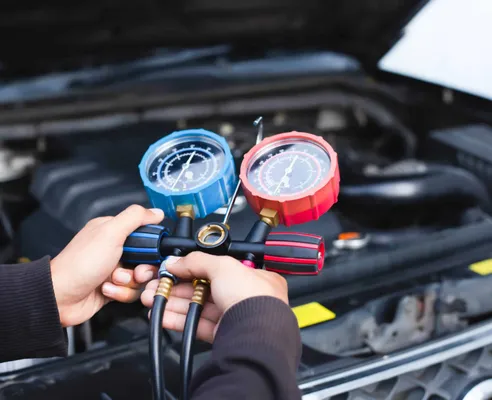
x=261, y=321
x=30, y=324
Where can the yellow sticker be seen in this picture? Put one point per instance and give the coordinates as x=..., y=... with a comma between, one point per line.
x=312, y=314
x=482, y=267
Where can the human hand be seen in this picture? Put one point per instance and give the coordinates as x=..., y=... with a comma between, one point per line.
x=230, y=281
x=86, y=274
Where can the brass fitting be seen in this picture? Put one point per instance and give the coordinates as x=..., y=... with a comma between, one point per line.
x=164, y=288
x=202, y=289
x=197, y=281
x=185, y=211
x=211, y=231
x=269, y=217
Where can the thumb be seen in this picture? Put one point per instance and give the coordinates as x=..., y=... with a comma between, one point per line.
x=134, y=217
x=198, y=265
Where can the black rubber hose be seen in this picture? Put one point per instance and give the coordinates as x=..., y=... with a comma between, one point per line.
x=437, y=184
x=155, y=348
x=189, y=336
x=355, y=268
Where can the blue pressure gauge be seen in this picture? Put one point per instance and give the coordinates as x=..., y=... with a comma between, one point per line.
x=191, y=167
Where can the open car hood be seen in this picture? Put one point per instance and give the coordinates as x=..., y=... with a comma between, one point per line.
x=43, y=37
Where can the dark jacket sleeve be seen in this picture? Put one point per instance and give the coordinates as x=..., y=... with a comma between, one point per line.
x=29, y=321
x=255, y=354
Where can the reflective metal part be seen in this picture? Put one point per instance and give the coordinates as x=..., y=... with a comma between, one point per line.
x=400, y=363
x=17, y=365
x=400, y=168
x=239, y=205
x=14, y=165
x=413, y=323
x=211, y=234
x=226, y=129
x=86, y=330
x=259, y=137
x=228, y=211
x=259, y=123
x=269, y=216
x=352, y=243
x=481, y=391
x=71, y=340
x=331, y=120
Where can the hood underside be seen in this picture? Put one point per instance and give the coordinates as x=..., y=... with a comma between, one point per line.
x=51, y=36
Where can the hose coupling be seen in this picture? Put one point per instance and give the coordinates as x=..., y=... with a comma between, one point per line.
x=202, y=289
x=165, y=286
x=164, y=273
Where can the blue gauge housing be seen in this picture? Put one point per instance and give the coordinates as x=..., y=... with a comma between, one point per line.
x=190, y=167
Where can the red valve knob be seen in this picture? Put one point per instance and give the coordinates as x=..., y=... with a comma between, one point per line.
x=294, y=253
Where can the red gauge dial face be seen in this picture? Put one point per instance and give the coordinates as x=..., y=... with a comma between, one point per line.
x=289, y=167
x=293, y=173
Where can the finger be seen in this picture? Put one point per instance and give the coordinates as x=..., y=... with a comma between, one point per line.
x=144, y=273
x=179, y=291
x=180, y=306
x=98, y=221
x=185, y=290
x=176, y=322
x=152, y=285
x=120, y=293
x=132, y=218
x=200, y=265
x=182, y=289
x=124, y=277
x=147, y=298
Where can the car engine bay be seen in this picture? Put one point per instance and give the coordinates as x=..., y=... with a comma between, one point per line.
x=405, y=242
x=401, y=309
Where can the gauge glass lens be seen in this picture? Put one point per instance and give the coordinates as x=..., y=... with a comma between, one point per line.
x=185, y=164
x=288, y=167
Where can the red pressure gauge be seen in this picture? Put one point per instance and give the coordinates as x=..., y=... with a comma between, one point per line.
x=294, y=173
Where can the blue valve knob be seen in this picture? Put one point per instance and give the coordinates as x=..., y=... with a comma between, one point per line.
x=190, y=167
x=143, y=245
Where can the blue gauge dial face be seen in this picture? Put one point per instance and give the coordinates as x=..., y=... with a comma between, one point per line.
x=186, y=164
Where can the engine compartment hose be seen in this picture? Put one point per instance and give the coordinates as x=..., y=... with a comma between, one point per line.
x=430, y=247
x=156, y=335
x=439, y=183
x=200, y=296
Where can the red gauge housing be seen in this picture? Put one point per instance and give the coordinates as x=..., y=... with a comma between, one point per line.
x=293, y=208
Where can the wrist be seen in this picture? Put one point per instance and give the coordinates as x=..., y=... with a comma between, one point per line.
x=268, y=316
x=261, y=322
x=58, y=290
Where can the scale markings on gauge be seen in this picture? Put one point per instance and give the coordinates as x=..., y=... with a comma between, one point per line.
x=288, y=168
x=182, y=167
x=193, y=164
x=292, y=173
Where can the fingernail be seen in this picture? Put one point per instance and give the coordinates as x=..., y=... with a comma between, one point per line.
x=124, y=277
x=148, y=275
x=157, y=211
x=108, y=289
x=172, y=260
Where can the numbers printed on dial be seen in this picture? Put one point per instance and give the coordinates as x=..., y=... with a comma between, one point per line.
x=288, y=168
x=186, y=166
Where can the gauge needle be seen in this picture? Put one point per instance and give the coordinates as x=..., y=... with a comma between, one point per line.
x=287, y=171
x=184, y=167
